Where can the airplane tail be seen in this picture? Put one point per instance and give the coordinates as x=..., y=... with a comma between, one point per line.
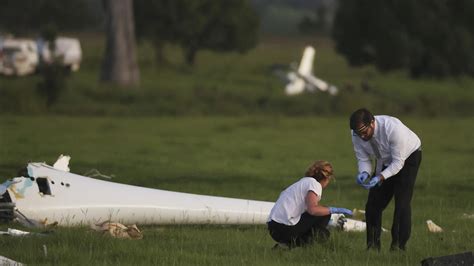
x=306, y=65
x=303, y=78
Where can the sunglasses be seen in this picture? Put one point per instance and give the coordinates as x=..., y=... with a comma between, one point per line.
x=362, y=130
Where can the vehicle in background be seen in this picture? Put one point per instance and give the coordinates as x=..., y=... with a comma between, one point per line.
x=20, y=57
x=68, y=52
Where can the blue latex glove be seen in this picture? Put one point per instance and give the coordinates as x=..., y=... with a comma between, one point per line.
x=372, y=183
x=340, y=210
x=361, y=177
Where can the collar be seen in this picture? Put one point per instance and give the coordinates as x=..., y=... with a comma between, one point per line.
x=376, y=128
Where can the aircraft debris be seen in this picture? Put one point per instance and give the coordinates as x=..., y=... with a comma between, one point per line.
x=433, y=228
x=119, y=230
x=358, y=214
x=7, y=261
x=95, y=173
x=468, y=216
x=20, y=233
x=62, y=163
x=46, y=193
x=302, y=79
x=49, y=195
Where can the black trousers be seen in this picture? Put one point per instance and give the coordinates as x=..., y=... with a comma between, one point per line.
x=399, y=186
x=307, y=230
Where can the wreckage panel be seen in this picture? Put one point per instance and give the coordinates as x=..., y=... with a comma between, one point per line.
x=73, y=199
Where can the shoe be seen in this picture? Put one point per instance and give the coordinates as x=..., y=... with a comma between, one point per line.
x=281, y=246
x=396, y=247
x=373, y=247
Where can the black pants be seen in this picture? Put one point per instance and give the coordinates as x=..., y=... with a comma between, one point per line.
x=307, y=230
x=401, y=187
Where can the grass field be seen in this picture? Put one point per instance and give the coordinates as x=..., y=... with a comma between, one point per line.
x=238, y=84
x=224, y=127
x=245, y=157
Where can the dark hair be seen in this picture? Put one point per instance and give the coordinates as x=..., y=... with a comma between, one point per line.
x=360, y=116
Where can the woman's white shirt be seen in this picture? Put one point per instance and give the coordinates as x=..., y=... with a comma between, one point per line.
x=291, y=202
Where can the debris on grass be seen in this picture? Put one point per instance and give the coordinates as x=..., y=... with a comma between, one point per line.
x=19, y=233
x=7, y=261
x=118, y=230
x=468, y=216
x=14, y=232
x=433, y=228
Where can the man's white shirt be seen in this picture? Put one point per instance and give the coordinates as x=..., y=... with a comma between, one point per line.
x=395, y=143
x=292, y=201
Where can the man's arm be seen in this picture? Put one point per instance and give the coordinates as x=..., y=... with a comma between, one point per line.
x=364, y=162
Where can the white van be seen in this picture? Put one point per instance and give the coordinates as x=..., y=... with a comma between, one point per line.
x=68, y=51
x=18, y=57
x=21, y=57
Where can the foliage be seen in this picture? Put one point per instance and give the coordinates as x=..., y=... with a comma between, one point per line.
x=428, y=37
x=30, y=16
x=245, y=157
x=197, y=25
x=320, y=21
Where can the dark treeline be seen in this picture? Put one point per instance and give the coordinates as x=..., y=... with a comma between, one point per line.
x=427, y=37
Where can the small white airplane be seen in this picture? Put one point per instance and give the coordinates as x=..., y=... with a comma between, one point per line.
x=53, y=195
x=302, y=79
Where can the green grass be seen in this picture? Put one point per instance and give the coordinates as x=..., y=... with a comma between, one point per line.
x=238, y=84
x=244, y=157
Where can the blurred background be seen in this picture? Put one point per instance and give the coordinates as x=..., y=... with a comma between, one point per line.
x=210, y=57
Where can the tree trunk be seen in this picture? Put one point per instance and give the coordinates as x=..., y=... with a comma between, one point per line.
x=190, y=55
x=119, y=65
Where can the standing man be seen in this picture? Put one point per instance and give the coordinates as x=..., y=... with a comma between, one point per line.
x=397, y=153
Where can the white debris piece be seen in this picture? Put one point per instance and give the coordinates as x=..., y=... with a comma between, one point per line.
x=433, y=228
x=7, y=261
x=336, y=221
x=358, y=214
x=339, y=221
x=351, y=225
x=62, y=163
x=14, y=232
x=468, y=216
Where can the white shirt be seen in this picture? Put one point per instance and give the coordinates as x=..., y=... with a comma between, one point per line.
x=394, y=141
x=292, y=201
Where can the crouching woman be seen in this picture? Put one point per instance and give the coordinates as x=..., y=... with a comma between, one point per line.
x=297, y=219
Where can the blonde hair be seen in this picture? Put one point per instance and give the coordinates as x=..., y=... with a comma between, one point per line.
x=320, y=170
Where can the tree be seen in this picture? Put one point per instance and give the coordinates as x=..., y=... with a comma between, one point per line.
x=216, y=25
x=120, y=63
x=427, y=37
x=32, y=16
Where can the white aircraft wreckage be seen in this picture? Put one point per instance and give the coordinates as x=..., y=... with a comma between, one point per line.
x=51, y=194
x=302, y=78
